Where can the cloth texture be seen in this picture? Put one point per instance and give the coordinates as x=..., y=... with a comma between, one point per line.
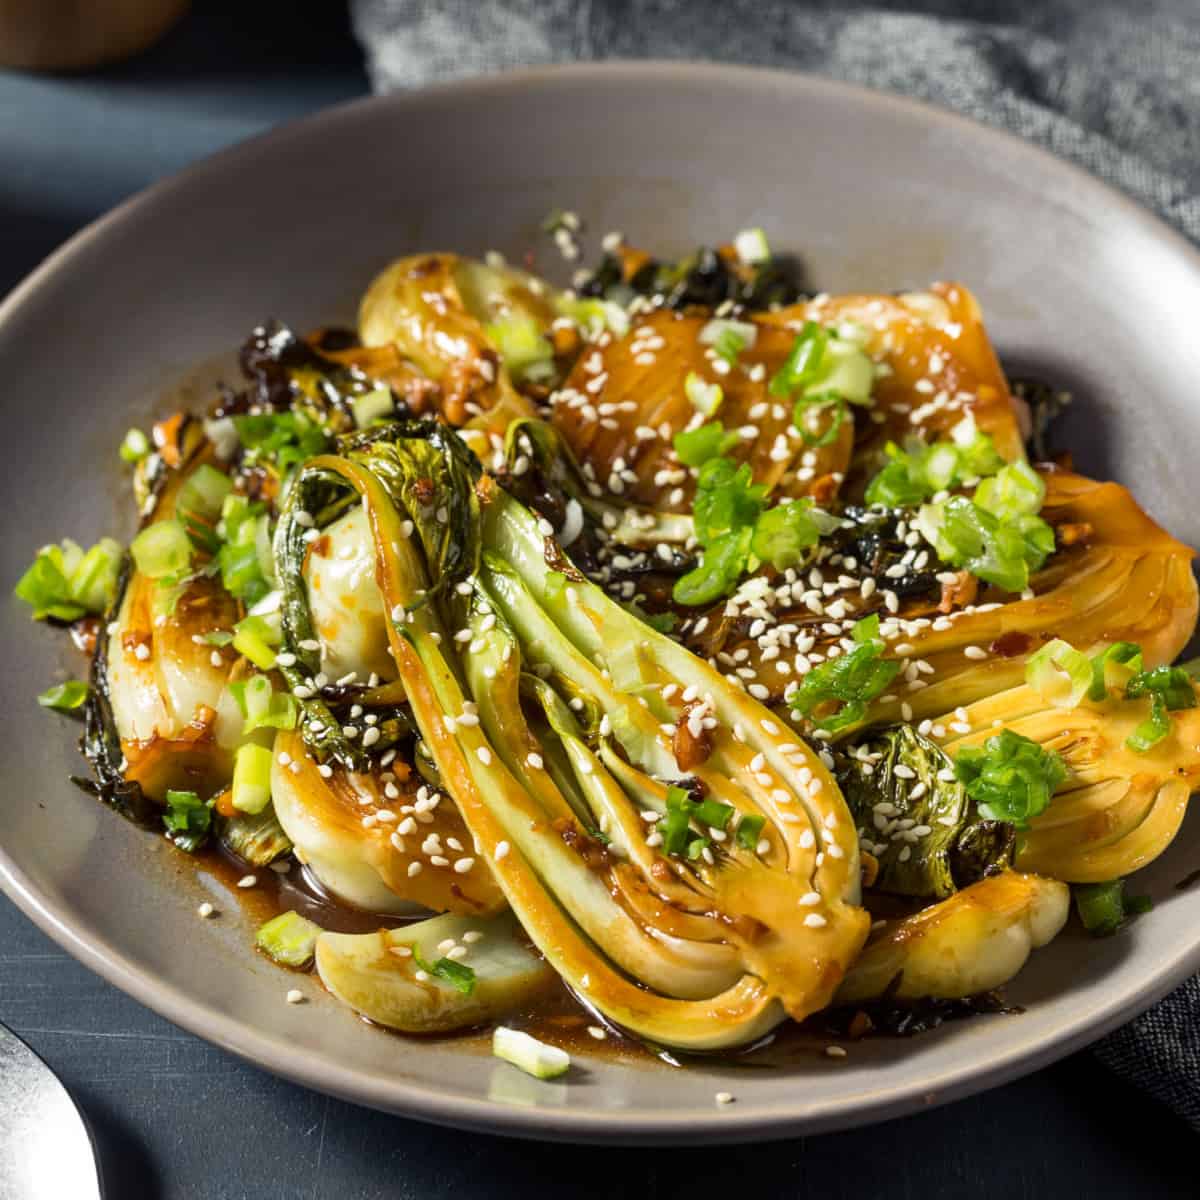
x=1109, y=85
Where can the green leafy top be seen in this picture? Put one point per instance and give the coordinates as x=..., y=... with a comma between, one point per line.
x=928, y=835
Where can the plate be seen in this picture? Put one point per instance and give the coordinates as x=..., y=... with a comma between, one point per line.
x=873, y=192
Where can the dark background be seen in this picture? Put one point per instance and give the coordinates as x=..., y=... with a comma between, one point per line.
x=175, y=1117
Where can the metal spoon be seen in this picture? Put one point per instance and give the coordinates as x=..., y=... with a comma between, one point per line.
x=46, y=1152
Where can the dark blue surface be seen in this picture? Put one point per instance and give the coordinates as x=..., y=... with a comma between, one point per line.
x=175, y=1117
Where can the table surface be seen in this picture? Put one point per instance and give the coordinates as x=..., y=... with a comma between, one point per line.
x=176, y=1117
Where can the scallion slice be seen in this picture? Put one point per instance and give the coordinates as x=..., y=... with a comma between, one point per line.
x=535, y=1058
x=1104, y=908
x=749, y=830
x=64, y=697
x=256, y=638
x=704, y=397
x=1061, y=674
x=188, y=819
x=288, y=939
x=751, y=247
x=372, y=406
x=251, y=778
x=203, y=493
x=162, y=550
x=134, y=446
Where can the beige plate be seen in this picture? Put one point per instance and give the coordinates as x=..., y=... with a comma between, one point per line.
x=874, y=193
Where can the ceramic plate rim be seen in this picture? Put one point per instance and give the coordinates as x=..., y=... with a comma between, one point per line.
x=737, y=1123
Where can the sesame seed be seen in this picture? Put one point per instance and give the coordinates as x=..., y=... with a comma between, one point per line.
x=975, y=652
x=484, y=755
x=724, y=1097
x=815, y=921
x=463, y=865
x=501, y=851
x=295, y=996
x=247, y=881
x=414, y=869
x=835, y=1052
x=205, y=910
x=810, y=898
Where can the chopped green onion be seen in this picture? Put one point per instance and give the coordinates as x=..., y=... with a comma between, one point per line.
x=920, y=471
x=519, y=340
x=64, y=697
x=728, y=338
x=188, y=819
x=727, y=499
x=1059, y=673
x=1124, y=655
x=284, y=440
x=65, y=583
x=751, y=247
x=94, y=581
x=243, y=530
x=697, y=446
x=1104, y=908
x=262, y=706
x=1172, y=683
x=749, y=829
x=1010, y=777
x=996, y=550
x=809, y=407
x=162, y=550
x=218, y=637
x=845, y=371
x=134, y=447
x=696, y=847
x=459, y=976
x=1153, y=729
x=1015, y=490
x=721, y=565
x=371, y=406
x=783, y=535
x=203, y=493
x=288, y=939
x=595, y=315
x=803, y=361
x=1170, y=689
x=713, y=814
x=675, y=826
x=853, y=679
x=704, y=397
x=256, y=637
x=251, y=778
x=531, y=1056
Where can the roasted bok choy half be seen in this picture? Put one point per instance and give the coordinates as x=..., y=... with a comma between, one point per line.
x=678, y=644
x=678, y=854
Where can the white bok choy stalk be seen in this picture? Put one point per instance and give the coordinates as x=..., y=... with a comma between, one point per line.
x=681, y=858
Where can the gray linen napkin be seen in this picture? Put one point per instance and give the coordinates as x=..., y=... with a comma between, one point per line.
x=1113, y=86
